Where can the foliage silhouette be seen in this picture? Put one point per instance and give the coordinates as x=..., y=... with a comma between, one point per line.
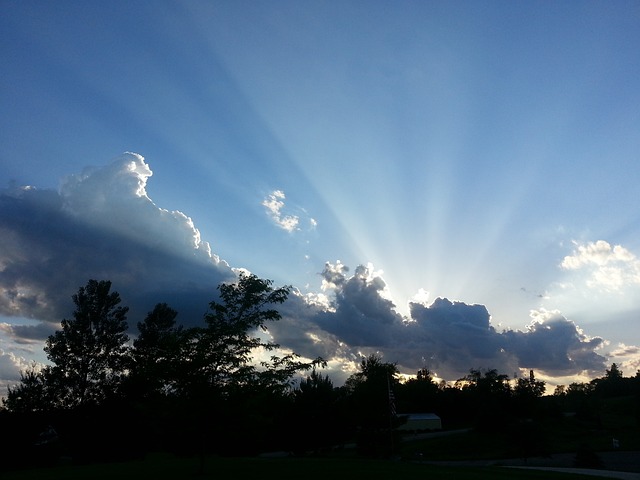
x=226, y=387
x=419, y=394
x=372, y=402
x=89, y=353
x=489, y=395
x=156, y=354
x=219, y=357
x=30, y=395
x=319, y=420
x=220, y=387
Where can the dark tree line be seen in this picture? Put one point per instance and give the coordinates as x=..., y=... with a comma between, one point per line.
x=193, y=390
x=201, y=390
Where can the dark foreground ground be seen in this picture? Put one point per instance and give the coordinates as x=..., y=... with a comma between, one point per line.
x=162, y=467
x=460, y=454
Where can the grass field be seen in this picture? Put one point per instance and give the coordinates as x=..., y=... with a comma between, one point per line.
x=560, y=435
x=161, y=467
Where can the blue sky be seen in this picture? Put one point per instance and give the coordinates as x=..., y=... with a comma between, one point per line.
x=482, y=152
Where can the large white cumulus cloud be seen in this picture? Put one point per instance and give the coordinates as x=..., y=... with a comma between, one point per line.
x=114, y=198
x=101, y=224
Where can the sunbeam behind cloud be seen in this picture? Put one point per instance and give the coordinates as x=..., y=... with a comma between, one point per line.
x=454, y=336
x=102, y=224
x=459, y=150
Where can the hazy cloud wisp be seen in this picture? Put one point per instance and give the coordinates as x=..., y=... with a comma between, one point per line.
x=275, y=208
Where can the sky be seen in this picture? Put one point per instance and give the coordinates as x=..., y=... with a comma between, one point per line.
x=451, y=185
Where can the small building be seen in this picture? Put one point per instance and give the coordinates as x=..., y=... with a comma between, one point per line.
x=417, y=422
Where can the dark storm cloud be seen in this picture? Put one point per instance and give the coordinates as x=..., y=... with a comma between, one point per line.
x=361, y=316
x=556, y=345
x=299, y=331
x=448, y=337
x=101, y=225
x=455, y=337
x=28, y=334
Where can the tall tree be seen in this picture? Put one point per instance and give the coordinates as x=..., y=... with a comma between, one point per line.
x=418, y=394
x=489, y=393
x=317, y=418
x=157, y=352
x=613, y=373
x=613, y=383
x=371, y=392
x=220, y=378
x=529, y=387
x=222, y=353
x=526, y=396
x=89, y=353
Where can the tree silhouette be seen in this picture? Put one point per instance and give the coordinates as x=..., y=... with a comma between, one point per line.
x=89, y=354
x=489, y=393
x=218, y=372
x=487, y=382
x=157, y=352
x=373, y=405
x=529, y=389
x=30, y=395
x=317, y=419
x=418, y=394
x=613, y=373
x=613, y=383
x=221, y=354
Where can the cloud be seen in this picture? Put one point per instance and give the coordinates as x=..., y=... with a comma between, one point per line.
x=608, y=268
x=275, y=206
x=11, y=366
x=274, y=203
x=447, y=336
x=28, y=334
x=455, y=337
x=627, y=357
x=101, y=224
x=113, y=198
x=458, y=336
x=555, y=345
x=360, y=314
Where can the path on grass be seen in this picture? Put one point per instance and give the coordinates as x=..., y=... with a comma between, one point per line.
x=589, y=471
x=619, y=465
